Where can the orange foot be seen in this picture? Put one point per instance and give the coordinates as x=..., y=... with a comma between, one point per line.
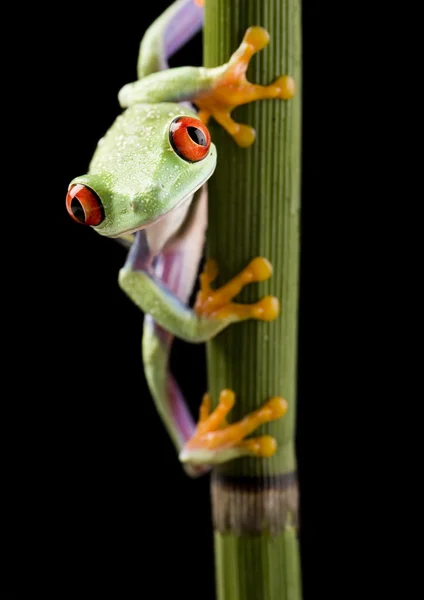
x=217, y=303
x=232, y=89
x=214, y=441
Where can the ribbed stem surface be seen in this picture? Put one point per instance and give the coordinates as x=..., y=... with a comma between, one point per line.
x=254, y=199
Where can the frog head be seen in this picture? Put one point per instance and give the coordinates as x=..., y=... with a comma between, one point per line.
x=152, y=159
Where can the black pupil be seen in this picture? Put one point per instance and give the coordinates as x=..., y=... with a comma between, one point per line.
x=197, y=135
x=77, y=210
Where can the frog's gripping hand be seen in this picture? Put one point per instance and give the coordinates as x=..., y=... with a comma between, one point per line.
x=231, y=88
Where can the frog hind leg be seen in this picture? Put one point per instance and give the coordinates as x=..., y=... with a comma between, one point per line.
x=169, y=32
x=177, y=267
x=167, y=396
x=215, y=441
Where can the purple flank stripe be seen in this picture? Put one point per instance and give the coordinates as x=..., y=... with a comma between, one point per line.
x=179, y=410
x=180, y=413
x=185, y=24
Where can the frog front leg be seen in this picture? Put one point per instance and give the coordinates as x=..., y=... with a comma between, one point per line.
x=215, y=91
x=214, y=309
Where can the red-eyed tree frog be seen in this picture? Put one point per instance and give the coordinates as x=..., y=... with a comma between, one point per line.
x=146, y=184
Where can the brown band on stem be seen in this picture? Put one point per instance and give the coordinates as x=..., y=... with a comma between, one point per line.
x=254, y=505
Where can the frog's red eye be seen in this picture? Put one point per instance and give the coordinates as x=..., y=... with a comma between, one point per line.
x=84, y=205
x=190, y=138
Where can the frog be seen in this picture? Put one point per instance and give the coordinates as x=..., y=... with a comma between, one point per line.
x=146, y=186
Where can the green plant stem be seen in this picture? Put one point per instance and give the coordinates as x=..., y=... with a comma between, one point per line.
x=254, y=211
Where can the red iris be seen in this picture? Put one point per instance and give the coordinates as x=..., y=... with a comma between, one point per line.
x=190, y=138
x=84, y=205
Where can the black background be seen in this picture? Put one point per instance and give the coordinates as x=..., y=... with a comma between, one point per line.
x=94, y=489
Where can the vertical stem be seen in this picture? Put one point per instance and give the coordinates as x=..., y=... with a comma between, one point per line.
x=254, y=201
